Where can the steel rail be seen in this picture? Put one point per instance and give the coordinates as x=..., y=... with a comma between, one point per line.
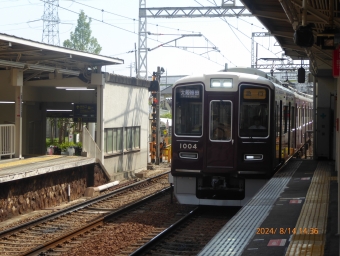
x=99, y=221
x=166, y=231
x=74, y=207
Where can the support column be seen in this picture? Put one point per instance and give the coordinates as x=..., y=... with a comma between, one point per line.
x=92, y=129
x=100, y=120
x=18, y=122
x=337, y=148
x=315, y=93
x=142, y=43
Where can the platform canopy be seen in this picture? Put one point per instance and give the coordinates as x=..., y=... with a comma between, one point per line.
x=283, y=17
x=39, y=60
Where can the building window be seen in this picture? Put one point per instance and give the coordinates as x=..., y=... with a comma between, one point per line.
x=136, y=136
x=118, y=139
x=113, y=140
x=132, y=138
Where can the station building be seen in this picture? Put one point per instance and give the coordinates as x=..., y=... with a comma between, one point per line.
x=38, y=81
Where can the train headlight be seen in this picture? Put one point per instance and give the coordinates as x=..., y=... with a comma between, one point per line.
x=188, y=155
x=226, y=83
x=253, y=157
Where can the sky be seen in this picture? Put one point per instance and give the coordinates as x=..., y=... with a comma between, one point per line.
x=115, y=25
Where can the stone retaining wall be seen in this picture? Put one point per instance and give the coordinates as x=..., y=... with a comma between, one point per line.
x=48, y=190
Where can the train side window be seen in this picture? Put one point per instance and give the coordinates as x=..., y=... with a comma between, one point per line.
x=285, y=119
x=188, y=114
x=276, y=114
x=292, y=119
x=220, y=120
x=299, y=117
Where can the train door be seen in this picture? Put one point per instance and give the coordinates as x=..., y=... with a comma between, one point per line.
x=220, y=142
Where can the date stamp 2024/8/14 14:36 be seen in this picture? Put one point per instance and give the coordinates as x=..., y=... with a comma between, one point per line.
x=287, y=231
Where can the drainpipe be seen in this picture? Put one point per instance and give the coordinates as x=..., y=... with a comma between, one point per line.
x=108, y=185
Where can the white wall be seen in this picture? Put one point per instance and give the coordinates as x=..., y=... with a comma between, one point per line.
x=125, y=106
x=326, y=89
x=326, y=86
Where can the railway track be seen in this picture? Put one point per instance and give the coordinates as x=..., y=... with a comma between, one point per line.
x=152, y=228
x=189, y=235
x=122, y=229
x=117, y=224
x=33, y=237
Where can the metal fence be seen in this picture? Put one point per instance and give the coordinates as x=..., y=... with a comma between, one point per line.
x=7, y=140
x=90, y=146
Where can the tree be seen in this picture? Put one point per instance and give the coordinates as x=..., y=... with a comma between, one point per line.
x=166, y=115
x=81, y=38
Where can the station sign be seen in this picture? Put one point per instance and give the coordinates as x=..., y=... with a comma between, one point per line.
x=86, y=113
x=59, y=114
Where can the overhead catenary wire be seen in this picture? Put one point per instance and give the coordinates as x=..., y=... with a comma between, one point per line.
x=118, y=27
x=133, y=19
x=132, y=51
x=109, y=24
x=129, y=18
x=231, y=26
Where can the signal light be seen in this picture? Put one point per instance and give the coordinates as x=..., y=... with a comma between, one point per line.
x=154, y=86
x=301, y=75
x=303, y=36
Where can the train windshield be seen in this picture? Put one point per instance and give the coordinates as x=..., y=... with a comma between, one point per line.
x=188, y=110
x=254, y=112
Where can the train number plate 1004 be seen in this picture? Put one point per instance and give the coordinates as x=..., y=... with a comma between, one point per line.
x=187, y=146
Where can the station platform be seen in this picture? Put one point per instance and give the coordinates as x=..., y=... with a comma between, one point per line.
x=295, y=213
x=15, y=169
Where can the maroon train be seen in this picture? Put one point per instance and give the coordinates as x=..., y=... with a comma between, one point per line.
x=230, y=131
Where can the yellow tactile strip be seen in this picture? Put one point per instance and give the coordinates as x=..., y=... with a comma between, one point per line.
x=310, y=237
x=28, y=161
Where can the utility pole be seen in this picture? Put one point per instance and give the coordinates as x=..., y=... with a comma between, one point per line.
x=158, y=77
x=142, y=71
x=155, y=91
x=131, y=66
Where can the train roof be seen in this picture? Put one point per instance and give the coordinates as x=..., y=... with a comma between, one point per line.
x=247, y=70
x=237, y=78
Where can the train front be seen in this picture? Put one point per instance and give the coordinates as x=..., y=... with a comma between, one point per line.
x=205, y=167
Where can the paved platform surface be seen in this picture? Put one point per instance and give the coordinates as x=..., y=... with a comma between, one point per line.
x=300, y=218
x=20, y=169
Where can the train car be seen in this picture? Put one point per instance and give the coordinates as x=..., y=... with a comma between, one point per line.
x=230, y=132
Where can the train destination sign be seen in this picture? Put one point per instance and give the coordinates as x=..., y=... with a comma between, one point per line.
x=189, y=93
x=254, y=94
x=85, y=113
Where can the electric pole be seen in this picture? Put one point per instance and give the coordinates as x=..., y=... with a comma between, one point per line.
x=158, y=77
